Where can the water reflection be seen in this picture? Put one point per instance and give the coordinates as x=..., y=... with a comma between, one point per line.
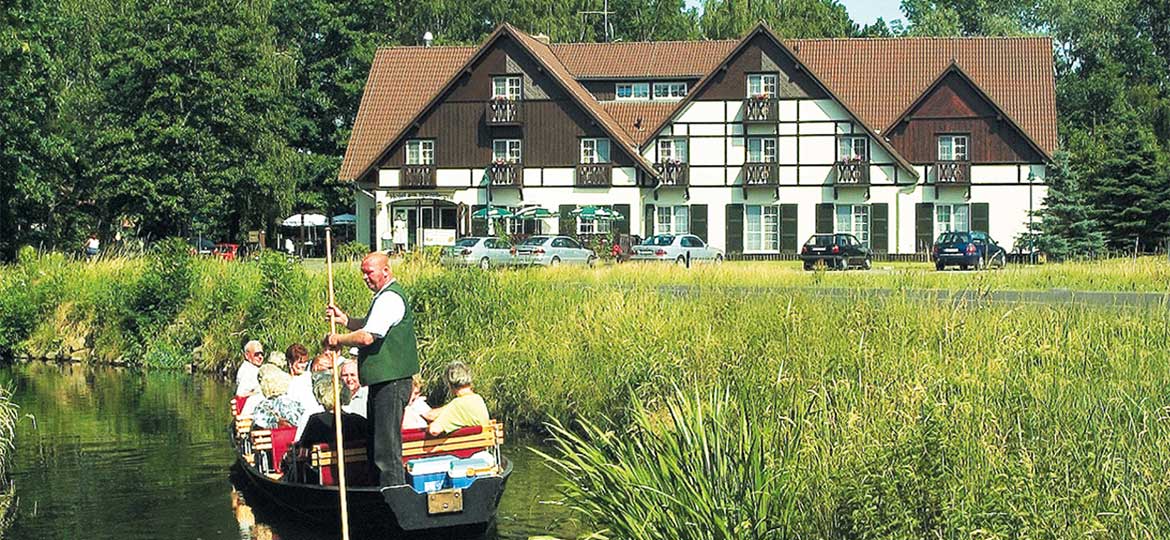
x=112, y=453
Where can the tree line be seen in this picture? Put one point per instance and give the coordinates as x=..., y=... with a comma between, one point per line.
x=215, y=117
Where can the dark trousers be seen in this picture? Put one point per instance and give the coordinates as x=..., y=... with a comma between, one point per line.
x=387, y=402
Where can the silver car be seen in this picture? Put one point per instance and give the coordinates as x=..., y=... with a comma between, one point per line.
x=553, y=250
x=481, y=251
x=676, y=248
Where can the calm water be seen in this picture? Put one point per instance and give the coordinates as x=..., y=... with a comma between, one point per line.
x=121, y=454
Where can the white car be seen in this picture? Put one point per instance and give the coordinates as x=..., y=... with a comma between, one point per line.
x=552, y=251
x=484, y=252
x=676, y=249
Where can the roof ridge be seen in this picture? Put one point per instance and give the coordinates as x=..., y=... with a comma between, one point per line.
x=667, y=41
x=925, y=38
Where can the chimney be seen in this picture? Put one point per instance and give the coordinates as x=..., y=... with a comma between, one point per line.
x=543, y=38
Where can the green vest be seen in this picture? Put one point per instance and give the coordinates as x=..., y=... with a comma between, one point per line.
x=394, y=356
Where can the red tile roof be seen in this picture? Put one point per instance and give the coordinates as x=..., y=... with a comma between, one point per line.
x=643, y=59
x=878, y=79
x=402, y=80
x=881, y=78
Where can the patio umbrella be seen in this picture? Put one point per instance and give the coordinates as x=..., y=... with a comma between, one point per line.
x=599, y=213
x=494, y=212
x=535, y=212
x=345, y=219
x=307, y=220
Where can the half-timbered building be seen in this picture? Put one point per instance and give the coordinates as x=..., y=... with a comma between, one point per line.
x=753, y=144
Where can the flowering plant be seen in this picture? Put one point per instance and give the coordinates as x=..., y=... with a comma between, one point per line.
x=761, y=97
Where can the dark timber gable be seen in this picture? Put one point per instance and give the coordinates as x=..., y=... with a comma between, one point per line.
x=760, y=55
x=552, y=122
x=954, y=105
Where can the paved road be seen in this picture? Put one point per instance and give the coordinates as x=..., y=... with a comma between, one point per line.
x=1049, y=297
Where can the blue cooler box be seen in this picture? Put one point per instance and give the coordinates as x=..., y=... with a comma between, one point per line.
x=429, y=474
x=463, y=472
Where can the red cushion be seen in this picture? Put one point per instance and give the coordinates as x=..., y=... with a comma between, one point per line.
x=282, y=438
x=238, y=402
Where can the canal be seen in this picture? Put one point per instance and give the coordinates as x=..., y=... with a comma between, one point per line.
x=125, y=454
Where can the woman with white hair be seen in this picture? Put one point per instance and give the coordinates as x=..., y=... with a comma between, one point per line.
x=277, y=409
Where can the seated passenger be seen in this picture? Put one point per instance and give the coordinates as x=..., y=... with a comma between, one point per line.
x=416, y=407
x=465, y=409
x=247, y=377
x=349, y=377
x=277, y=409
x=320, y=428
x=301, y=386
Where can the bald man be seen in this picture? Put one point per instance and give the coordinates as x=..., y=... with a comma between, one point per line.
x=387, y=359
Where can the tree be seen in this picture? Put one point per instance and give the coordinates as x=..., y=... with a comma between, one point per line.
x=730, y=19
x=1129, y=190
x=1065, y=228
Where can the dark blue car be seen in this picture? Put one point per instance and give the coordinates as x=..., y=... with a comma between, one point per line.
x=967, y=250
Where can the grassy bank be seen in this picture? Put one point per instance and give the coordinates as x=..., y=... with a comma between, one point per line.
x=798, y=417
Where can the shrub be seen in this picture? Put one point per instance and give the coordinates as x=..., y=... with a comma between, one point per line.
x=351, y=251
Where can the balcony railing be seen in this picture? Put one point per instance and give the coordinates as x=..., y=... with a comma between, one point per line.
x=594, y=175
x=673, y=173
x=504, y=112
x=417, y=176
x=761, y=174
x=952, y=172
x=506, y=174
x=761, y=110
x=851, y=173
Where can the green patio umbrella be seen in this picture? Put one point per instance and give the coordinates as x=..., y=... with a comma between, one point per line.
x=534, y=212
x=493, y=212
x=598, y=213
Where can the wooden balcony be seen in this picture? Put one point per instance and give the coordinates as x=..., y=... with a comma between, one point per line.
x=761, y=110
x=851, y=173
x=506, y=174
x=504, y=112
x=761, y=175
x=594, y=175
x=952, y=173
x=672, y=174
x=417, y=176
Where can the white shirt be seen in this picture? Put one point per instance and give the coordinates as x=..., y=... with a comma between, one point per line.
x=357, y=403
x=412, y=418
x=301, y=389
x=247, y=379
x=388, y=310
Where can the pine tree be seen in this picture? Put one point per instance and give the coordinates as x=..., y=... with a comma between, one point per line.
x=1130, y=194
x=1064, y=228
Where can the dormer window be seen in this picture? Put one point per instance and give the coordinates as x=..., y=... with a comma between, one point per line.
x=670, y=90
x=594, y=150
x=952, y=148
x=761, y=85
x=633, y=91
x=420, y=152
x=851, y=148
x=507, y=87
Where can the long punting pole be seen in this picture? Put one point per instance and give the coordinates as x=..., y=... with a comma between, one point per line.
x=339, y=453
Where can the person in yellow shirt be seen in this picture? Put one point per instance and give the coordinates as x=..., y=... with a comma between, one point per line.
x=466, y=409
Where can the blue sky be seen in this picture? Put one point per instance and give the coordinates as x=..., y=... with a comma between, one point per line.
x=863, y=12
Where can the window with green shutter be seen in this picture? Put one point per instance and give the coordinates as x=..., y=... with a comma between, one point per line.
x=788, y=239
x=698, y=226
x=923, y=227
x=880, y=227
x=734, y=230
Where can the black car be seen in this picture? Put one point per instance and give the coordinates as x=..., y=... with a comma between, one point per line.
x=972, y=249
x=839, y=251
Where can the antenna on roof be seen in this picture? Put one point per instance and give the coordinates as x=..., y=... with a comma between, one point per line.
x=428, y=38
x=605, y=20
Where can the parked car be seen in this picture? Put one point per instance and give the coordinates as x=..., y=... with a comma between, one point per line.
x=552, y=251
x=227, y=252
x=676, y=249
x=481, y=251
x=839, y=251
x=201, y=246
x=966, y=250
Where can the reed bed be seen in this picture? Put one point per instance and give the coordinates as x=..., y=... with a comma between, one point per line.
x=778, y=414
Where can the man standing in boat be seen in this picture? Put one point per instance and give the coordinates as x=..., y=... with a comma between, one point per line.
x=387, y=359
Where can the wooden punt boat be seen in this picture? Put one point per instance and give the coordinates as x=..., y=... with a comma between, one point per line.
x=452, y=512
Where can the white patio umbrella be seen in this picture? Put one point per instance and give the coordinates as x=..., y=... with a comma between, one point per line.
x=307, y=220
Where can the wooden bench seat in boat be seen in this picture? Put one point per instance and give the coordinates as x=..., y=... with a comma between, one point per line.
x=462, y=443
x=269, y=445
x=323, y=460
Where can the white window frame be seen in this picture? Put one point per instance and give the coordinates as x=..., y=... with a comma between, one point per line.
x=954, y=148
x=594, y=226
x=591, y=150
x=420, y=152
x=767, y=149
x=762, y=231
x=762, y=84
x=953, y=222
x=507, y=150
x=638, y=91
x=669, y=90
x=672, y=220
x=507, y=87
x=847, y=148
x=855, y=219
x=672, y=148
